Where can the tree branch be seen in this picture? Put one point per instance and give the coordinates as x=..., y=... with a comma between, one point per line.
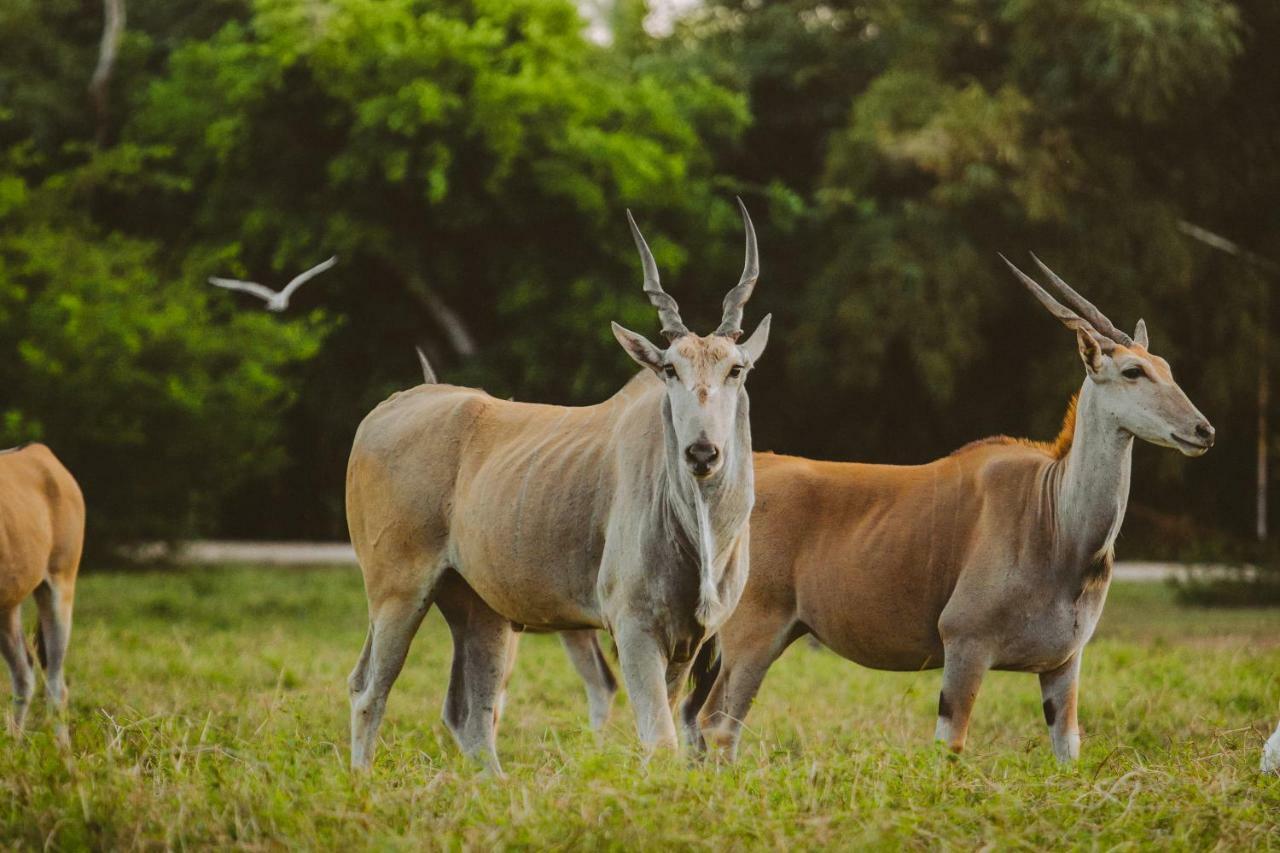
x=455, y=330
x=1222, y=244
x=100, y=84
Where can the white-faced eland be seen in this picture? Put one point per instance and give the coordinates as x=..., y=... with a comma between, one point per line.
x=630, y=515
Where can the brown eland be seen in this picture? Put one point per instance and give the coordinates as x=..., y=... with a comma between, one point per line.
x=41, y=537
x=630, y=515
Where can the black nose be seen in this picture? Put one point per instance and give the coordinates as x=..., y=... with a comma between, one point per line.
x=1205, y=432
x=701, y=455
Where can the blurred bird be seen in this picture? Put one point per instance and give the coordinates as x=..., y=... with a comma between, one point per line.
x=275, y=301
x=1271, y=754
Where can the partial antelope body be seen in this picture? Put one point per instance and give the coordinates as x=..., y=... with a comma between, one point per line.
x=41, y=537
x=996, y=557
x=629, y=515
x=1270, y=752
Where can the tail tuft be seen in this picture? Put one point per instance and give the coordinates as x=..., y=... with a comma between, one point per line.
x=40, y=652
x=702, y=675
x=428, y=375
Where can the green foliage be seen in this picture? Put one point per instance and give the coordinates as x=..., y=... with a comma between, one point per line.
x=209, y=709
x=467, y=160
x=981, y=132
x=428, y=132
x=138, y=382
x=1084, y=132
x=470, y=161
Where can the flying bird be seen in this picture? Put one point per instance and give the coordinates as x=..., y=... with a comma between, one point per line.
x=1271, y=754
x=275, y=301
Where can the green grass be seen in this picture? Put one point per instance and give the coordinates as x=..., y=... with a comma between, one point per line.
x=209, y=708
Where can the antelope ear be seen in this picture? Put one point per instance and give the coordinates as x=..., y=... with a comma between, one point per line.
x=1140, y=334
x=639, y=348
x=1092, y=349
x=754, y=345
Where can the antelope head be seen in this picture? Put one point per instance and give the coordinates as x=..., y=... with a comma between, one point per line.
x=704, y=376
x=1134, y=386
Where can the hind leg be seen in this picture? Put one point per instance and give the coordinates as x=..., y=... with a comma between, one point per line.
x=584, y=652
x=706, y=666
x=392, y=626
x=734, y=690
x=483, y=652
x=749, y=646
x=13, y=649
x=54, y=599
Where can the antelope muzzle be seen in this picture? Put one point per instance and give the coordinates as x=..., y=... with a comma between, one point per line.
x=703, y=458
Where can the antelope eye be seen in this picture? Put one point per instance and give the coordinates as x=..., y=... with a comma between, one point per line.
x=1133, y=373
x=735, y=371
x=670, y=371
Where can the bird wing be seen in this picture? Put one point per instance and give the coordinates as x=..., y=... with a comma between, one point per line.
x=303, y=278
x=264, y=293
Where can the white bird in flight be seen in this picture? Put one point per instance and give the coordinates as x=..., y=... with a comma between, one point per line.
x=275, y=301
x=1271, y=754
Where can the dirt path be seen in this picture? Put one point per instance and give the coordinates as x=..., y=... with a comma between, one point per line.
x=298, y=553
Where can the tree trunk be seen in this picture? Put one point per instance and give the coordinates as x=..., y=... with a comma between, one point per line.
x=1264, y=393
x=100, y=84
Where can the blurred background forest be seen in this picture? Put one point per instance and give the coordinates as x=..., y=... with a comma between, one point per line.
x=469, y=161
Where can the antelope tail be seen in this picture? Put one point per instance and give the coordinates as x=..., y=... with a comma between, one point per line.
x=605, y=671
x=706, y=667
x=428, y=375
x=40, y=652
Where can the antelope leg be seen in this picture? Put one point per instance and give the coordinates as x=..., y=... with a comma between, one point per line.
x=54, y=599
x=391, y=630
x=961, y=677
x=13, y=649
x=644, y=671
x=584, y=652
x=1058, y=689
x=483, y=653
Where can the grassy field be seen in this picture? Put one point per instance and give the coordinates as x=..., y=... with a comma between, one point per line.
x=209, y=708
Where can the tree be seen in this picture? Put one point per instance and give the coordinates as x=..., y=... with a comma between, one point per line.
x=470, y=163
x=159, y=400
x=1085, y=132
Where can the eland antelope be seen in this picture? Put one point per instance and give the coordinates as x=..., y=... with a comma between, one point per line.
x=630, y=515
x=996, y=557
x=41, y=536
x=1270, y=750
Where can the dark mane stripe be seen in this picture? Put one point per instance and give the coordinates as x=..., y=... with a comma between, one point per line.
x=1055, y=449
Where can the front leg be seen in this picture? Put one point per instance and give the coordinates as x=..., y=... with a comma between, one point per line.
x=644, y=671
x=962, y=671
x=54, y=600
x=1058, y=689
